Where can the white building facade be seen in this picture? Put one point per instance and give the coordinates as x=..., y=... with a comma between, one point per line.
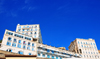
x=86, y=47
x=23, y=42
x=18, y=43
x=30, y=30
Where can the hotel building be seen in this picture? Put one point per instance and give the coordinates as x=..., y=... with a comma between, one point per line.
x=86, y=47
x=27, y=40
x=18, y=43
x=30, y=30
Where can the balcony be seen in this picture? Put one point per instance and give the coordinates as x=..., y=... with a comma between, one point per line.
x=40, y=50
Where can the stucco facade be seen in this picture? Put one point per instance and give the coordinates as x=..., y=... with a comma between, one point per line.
x=30, y=30
x=23, y=42
x=86, y=47
x=15, y=48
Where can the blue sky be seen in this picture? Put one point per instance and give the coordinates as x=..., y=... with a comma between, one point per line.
x=61, y=21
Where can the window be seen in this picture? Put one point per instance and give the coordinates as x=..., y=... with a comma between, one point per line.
x=81, y=42
x=27, y=38
x=24, y=42
x=27, y=26
x=34, y=36
x=38, y=54
x=48, y=56
x=35, y=26
x=9, y=33
x=28, y=48
x=91, y=43
x=24, y=47
x=80, y=50
x=19, y=30
x=8, y=43
x=18, y=35
x=30, y=54
x=97, y=52
x=9, y=38
x=94, y=43
x=32, y=44
x=31, y=33
x=26, y=33
x=95, y=47
x=82, y=45
x=15, y=40
x=28, y=43
x=9, y=50
x=94, y=52
x=86, y=42
x=84, y=55
x=52, y=51
x=19, y=46
x=48, y=50
x=14, y=44
x=31, y=29
x=35, y=33
x=35, y=29
x=23, y=29
x=89, y=52
x=85, y=46
x=52, y=57
x=22, y=33
x=43, y=55
x=75, y=54
x=19, y=26
x=27, y=29
x=23, y=26
x=60, y=58
x=19, y=41
x=86, y=52
x=56, y=57
x=20, y=52
x=32, y=49
x=78, y=42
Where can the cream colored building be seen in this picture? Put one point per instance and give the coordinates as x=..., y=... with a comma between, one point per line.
x=30, y=30
x=26, y=44
x=23, y=44
x=17, y=43
x=86, y=47
x=45, y=51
